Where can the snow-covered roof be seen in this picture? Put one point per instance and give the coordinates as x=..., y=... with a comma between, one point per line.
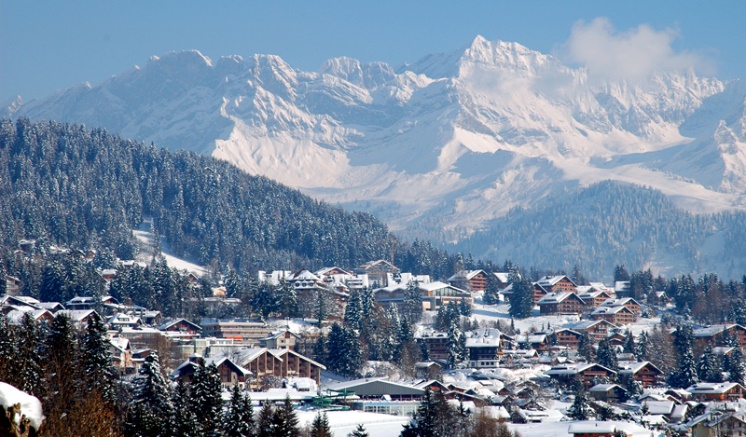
x=711, y=387
x=572, y=369
x=709, y=331
x=557, y=297
x=612, y=302
x=486, y=337
x=75, y=315
x=15, y=317
x=602, y=310
x=659, y=407
x=603, y=388
x=632, y=367
x=550, y=281
x=592, y=427
x=503, y=277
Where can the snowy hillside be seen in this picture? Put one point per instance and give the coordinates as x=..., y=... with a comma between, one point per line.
x=439, y=147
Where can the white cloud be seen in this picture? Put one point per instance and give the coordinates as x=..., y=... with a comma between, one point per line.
x=609, y=54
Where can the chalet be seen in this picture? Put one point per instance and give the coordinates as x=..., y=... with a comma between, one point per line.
x=230, y=372
x=121, y=355
x=436, y=343
x=484, y=347
x=719, y=423
x=554, y=284
x=121, y=319
x=719, y=391
x=644, y=372
x=622, y=288
x=282, y=363
x=19, y=301
x=470, y=280
x=560, y=303
x=428, y=370
x=376, y=271
x=597, y=329
x=618, y=315
x=15, y=317
x=594, y=428
x=433, y=294
x=89, y=302
x=539, y=292
x=626, y=302
x=591, y=297
x=181, y=329
x=78, y=317
x=567, y=337
x=52, y=307
x=611, y=393
x=568, y=373
x=279, y=340
x=719, y=334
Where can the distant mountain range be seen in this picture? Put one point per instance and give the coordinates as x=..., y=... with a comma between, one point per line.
x=442, y=148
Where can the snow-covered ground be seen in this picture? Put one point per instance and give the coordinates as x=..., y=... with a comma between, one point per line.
x=145, y=237
x=560, y=429
x=344, y=422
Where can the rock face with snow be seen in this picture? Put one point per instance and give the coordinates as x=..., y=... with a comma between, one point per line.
x=29, y=414
x=438, y=147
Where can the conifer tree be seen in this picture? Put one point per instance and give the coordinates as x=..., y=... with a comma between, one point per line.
x=630, y=347
x=95, y=356
x=320, y=426
x=206, y=400
x=285, y=421
x=606, y=356
x=455, y=345
x=686, y=373
x=239, y=418
x=580, y=408
x=585, y=347
x=353, y=317
x=184, y=422
x=265, y=426
x=359, y=432
x=151, y=409
x=412, y=303
x=492, y=290
x=736, y=366
x=522, y=299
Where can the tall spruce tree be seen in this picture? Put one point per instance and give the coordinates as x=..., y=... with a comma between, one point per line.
x=606, y=356
x=184, y=422
x=206, y=399
x=239, y=417
x=320, y=426
x=96, y=359
x=151, y=409
x=360, y=431
x=736, y=367
x=580, y=408
x=285, y=421
x=522, y=299
x=686, y=373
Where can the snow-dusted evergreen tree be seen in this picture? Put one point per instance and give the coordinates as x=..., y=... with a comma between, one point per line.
x=353, y=317
x=320, y=426
x=321, y=307
x=686, y=373
x=95, y=356
x=634, y=388
x=736, y=367
x=346, y=358
x=585, y=347
x=434, y=417
x=456, y=345
x=412, y=305
x=464, y=308
x=184, y=422
x=264, y=424
x=285, y=421
x=630, y=347
x=151, y=409
x=580, y=408
x=239, y=417
x=642, y=346
x=8, y=352
x=522, y=299
x=606, y=356
x=492, y=291
x=708, y=366
x=206, y=399
x=360, y=431
x=288, y=301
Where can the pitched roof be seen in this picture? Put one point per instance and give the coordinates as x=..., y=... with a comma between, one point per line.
x=561, y=296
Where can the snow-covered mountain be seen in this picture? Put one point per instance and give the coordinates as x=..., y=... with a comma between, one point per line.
x=439, y=147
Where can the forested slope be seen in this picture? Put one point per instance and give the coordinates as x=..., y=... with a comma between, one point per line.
x=64, y=184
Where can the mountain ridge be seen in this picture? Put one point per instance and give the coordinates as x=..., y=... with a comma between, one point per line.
x=438, y=148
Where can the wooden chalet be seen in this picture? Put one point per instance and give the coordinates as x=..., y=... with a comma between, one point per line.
x=470, y=280
x=484, y=347
x=279, y=340
x=568, y=373
x=230, y=372
x=567, y=337
x=555, y=284
x=611, y=393
x=718, y=334
x=16, y=316
x=618, y=315
x=181, y=329
x=597, y=329
x=560, y=303
x=592, y=298
x=718, y=424
x=643, y=371
x=716, y=391
x=436, y=343
x=282, y=363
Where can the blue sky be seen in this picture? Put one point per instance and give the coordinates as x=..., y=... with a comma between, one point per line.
x=50, y=45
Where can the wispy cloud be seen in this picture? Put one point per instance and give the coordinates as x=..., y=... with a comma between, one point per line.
x=634, y=54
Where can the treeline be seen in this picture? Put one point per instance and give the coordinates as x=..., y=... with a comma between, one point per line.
x=613, y=223
x=64, y=184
